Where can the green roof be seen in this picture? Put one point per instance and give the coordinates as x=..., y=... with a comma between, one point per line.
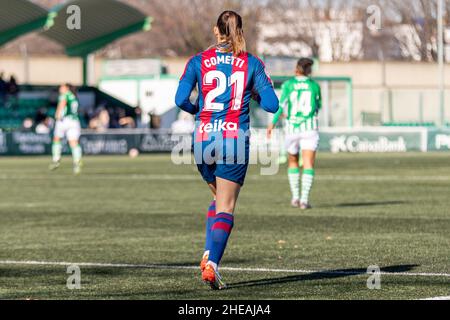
x=20, y=17
x=102, y=22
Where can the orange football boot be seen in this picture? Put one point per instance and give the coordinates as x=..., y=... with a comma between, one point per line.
x=203, y=263
x=213, y=278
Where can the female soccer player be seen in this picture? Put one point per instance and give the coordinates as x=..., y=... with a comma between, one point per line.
x=67, y=125
x=300, y=101
x=227, y=77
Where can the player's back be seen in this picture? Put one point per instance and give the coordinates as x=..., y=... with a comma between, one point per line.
x=225, y=84
x=301, y=101
x=301, y=97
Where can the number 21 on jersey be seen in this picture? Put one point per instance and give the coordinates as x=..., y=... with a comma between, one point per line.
x=237, y=80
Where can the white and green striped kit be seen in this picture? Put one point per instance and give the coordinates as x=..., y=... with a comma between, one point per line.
x=300, y=101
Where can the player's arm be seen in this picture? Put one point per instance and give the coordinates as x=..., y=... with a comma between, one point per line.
x=278, y=114
x=283, y=102
x=319, y=97
x=274, y=122
x=62, y=103
x=264, y=93
x=187, y=84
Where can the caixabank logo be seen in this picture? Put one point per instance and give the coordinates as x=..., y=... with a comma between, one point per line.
x=442, y=141
x=355, y=144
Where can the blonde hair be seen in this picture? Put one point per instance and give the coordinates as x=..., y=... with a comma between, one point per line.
x=230, y=27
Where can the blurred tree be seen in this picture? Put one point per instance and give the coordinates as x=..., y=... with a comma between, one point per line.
x=335, y=30
x=411, y=26
x=330, y=29
x=184, y=27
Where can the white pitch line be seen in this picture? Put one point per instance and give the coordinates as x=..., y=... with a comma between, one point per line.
x=438, y=298
x=175, y=267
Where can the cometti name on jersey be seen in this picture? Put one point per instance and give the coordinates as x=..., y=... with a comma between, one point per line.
x=222, y=59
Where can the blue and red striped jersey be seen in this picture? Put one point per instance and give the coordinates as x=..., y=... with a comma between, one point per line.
x=225, y=85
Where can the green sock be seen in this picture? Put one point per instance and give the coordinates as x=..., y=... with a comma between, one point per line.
x=307, y=183
x=77, y=153
x=56, y=151
x=294, y=182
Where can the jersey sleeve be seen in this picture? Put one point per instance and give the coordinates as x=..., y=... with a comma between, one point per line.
x=187, y=83
x=319, y=97
x=62, y=97
x=262, y=80
x=189, y=75
x=284, y=94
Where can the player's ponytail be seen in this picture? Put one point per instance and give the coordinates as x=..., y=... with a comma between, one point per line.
x=231, y=31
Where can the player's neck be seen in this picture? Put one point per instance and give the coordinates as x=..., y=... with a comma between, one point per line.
x=224, y=47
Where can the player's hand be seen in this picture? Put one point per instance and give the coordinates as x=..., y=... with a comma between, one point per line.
x=270, y=131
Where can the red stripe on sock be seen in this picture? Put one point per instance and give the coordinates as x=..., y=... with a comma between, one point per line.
x=225, y=216
x=222, y=226
x=211, y=213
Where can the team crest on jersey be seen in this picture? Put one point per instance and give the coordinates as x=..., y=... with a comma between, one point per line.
x=218, y=126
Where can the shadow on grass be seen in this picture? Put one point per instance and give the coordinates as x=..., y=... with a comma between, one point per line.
x=369, y=204
x=327, y=274
x=22, y=271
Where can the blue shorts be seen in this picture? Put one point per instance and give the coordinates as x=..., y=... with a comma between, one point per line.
x=227, y=159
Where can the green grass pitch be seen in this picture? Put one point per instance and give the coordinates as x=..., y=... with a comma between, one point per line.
x=387, y=210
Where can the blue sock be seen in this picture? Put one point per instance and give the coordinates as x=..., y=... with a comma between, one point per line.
x=221, y=229
x=210, y=217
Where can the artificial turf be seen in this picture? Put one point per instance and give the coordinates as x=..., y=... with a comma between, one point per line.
x=386, y=210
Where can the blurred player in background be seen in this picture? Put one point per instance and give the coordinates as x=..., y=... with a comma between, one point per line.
x=227, y=78
x=67, y=126
x=300, y=102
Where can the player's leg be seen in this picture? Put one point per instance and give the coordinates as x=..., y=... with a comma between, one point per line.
x=56, y=152
x=309, y=146
x=293, y=148
x=300, y=160
x=227, y=195
x=294, y=179
x=210, y=216
x=77, y=154
x=58, y=135
x=230, y=176
x=207, y=172
x=73, y=135
x=229, y=180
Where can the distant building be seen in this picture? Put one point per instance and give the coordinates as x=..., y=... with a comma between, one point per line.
x=339, y=36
